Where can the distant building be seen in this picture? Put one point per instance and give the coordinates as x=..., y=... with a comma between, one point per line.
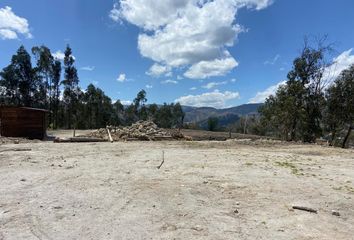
x=23, y=122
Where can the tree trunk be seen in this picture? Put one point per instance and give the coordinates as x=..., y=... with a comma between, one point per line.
x=344, y=144
x=332, y=138
x=293, y=130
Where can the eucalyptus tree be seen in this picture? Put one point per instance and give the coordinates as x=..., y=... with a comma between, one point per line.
x=72, y=91
x=340, y=104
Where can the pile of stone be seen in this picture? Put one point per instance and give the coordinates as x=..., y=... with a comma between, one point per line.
x=141, y=130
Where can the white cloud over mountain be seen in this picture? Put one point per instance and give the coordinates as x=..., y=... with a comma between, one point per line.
x=214, y=99
x=186, y=33
x=340, y=63
x=262, y=96
x=12, y=25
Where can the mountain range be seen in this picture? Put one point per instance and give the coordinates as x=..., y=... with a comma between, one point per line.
x=200, y=115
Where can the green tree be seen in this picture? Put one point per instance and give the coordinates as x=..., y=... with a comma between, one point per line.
x=130, y=115
x=178, y=115
x=340, y=104
x=56, y=73
x=212, y=123
x=9, y=83
x=72, y=91
x=297, y=107
x=152, y=110
x=118, y=113
x=45, y=63
x=19, y=81
x=139, y=105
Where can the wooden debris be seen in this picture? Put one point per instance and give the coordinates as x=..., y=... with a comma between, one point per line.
x=139, y=131
x=78, y=139
x=307, y=209
x=163, y=160
x=109, y=135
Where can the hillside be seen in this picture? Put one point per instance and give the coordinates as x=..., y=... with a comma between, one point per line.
x=201, y=114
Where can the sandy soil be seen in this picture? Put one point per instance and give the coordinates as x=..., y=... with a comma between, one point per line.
x=204, y=190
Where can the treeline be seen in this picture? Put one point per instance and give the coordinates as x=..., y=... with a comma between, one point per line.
x=41, y=86
x=309, y=105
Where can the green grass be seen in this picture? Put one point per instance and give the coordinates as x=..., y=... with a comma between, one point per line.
x=291, y=166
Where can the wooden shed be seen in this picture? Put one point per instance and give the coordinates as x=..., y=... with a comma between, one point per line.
x=23, y=122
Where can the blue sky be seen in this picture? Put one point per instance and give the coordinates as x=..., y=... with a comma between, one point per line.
x=217, y=53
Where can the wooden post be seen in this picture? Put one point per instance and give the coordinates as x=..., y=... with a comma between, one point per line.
x=109, y=135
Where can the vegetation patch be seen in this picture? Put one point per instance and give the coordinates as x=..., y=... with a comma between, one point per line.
x=291, y=166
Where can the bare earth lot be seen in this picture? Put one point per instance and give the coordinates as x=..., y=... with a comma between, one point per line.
x=204, y=190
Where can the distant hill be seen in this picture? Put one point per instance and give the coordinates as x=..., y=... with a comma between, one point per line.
x=226, y=116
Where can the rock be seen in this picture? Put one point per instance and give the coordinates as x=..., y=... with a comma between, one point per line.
x=197, y=228
x=335, y=213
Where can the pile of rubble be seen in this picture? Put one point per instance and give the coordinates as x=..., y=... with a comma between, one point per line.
x=141, y=130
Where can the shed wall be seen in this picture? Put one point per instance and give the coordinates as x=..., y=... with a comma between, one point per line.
x=23, y=122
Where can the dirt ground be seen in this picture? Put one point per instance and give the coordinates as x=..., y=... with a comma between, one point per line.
x=204, y=190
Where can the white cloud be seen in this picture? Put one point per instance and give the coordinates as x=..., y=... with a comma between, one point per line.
x=88, y=68
x=148, y=86
x=126, y=102
x=215, y=99
x=262, y=96
x=272, y=61
x=193, y=88
x=233, y=80
x=340, y=63
x=214, y=84
x=7, y=34
x=59, y=55
x=94, y=82
x=157, y=70
x=11, y=25
x=121, y=78
x=169, y=81
x=205, y=69
x=187, y=33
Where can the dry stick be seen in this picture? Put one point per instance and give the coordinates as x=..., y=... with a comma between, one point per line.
x=109, y=135
x=163, y=159
x=78, y=139
x=305, y=209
